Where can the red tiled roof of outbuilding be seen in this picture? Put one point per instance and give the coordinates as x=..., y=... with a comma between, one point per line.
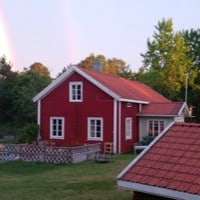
x=127, y=89
x=172, y=162
x=161, y=108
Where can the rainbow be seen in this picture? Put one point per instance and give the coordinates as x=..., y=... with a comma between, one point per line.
x=5, y=47
x=70, y=33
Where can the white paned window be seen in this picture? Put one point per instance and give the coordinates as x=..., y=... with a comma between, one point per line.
x=76, y=91
x=95, y=129
x=57, y=127
x=128, y=128
x=155, y=127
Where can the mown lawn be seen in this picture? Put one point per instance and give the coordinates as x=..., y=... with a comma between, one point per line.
x=85, y=181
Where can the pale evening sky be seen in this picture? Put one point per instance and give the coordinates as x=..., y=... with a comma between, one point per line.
x=62, y=32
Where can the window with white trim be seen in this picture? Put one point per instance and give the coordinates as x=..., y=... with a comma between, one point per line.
x=128, y=128
x=155, y=127
x=95, y=129
x=57, y=127
x=76, y=91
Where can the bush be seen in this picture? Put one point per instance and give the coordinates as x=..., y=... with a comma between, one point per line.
x=147, y=140
x=29, y=133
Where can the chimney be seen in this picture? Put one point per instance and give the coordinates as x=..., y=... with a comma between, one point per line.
x=97, y=66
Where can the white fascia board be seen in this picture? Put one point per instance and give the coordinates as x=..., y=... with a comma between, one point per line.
x=152, y=115
x=145, y=150
x=157, y=191
x=54, y=84
x=182, y=107
x=98, y=84
x=133, y=101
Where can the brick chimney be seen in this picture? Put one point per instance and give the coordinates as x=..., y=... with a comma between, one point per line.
x=97, y=66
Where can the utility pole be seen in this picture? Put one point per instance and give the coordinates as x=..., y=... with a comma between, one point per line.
x=186, y=87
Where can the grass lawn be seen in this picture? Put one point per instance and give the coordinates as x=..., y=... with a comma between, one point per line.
x=85, y=181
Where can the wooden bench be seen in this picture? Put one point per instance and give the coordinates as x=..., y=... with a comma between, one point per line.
x=138, y=147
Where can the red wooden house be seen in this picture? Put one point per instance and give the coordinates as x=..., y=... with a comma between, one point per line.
x=87, y=106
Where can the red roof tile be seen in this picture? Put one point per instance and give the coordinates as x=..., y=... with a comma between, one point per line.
x=161, y=108
x=125, y=88
x=177, y=171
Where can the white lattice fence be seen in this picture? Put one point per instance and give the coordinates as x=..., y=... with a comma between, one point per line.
x=49, y=154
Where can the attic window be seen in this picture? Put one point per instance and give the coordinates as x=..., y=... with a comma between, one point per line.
x=75, y=91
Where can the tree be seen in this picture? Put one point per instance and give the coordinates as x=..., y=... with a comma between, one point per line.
x=7, y=79
x=192, y=38
x=112, y=66
x=39, y=67
x=166, y=63
x=27, y=85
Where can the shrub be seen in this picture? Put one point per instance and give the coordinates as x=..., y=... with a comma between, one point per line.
x=29, y=133
x=147, y=140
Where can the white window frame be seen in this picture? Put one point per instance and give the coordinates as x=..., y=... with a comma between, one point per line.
x=75, y=83
x=95, y=138
x=128, y=128
x=52, y=136
x=153, y=124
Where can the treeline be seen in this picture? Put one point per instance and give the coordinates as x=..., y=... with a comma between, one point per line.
x=171, y=66
x=17, y=90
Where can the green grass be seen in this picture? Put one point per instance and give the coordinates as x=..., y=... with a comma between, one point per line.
x=85, y=181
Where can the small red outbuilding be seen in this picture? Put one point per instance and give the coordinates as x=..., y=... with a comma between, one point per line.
x=169, y=168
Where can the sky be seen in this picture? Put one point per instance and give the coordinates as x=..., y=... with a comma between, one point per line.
x=58, y=33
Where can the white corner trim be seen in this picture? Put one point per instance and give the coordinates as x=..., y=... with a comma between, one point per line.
x=119, y=126
x=164, y=192
x=145, y=150
x=115, y=126
x=39, y=112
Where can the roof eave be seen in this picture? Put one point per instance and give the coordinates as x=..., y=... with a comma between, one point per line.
x=65, y=75
x=184, y=105
x=98, y=84
x=153, y=115
x=53, y=84
x=164, y=192
x=133, y=101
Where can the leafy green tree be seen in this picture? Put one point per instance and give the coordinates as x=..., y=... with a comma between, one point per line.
x=192, y=38
x=166, y=63
x=27, y=85
x=127, y=73
x=7, y=79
